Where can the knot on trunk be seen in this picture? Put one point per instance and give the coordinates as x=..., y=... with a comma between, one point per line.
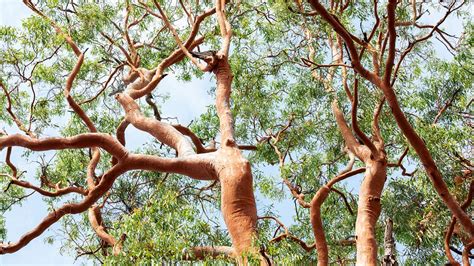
x=372, y=198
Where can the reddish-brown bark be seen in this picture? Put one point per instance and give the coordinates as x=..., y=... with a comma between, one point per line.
x=70, y=208
x=225, y=164
x=238, y=202
x=316, y=222
x=369, y=211
x=374, y=158
x=370, y=152
x=95, y=219
x=233, y=170
x=385, y=84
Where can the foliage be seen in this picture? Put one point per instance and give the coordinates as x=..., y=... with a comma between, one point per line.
x=161, y=214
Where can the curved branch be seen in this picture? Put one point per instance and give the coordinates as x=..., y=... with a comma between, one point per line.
x=176, y=37
x=13, y=116
x=449, y=232
x=163, y=132
x=376, y=123
x=399, y=164
x=466, y=253
x=316, y=222
x=10, y=164
x=344, y=198
x=355, y=125
x=351, y=142
x=69, y=208
x=427, y=160
x=86, y=140
x=95, y=218
x=414, y=139
x=173, y=58
x=287, y=234
x=116, y=69
x=348, y=39
x=315, y=215
x=195, y=139
x=434, y=28
x=447, y=239
x=144, y=88
x=56, y=193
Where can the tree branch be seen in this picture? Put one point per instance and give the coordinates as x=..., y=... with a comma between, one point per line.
x=355, y=126
x=163, y=132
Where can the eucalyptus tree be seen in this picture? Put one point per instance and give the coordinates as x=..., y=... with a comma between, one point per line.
x=225, y=164
x=294, y=36
x=294, y=64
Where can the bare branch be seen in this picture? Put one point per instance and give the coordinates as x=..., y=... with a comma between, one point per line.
x=13, y=116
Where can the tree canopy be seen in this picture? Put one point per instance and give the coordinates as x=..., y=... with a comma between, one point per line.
x=341, y=131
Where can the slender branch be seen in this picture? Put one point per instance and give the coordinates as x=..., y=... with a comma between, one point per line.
x=392, y=35
x=104, y=87
x=348, y=39
x=449, y=232
x=434, y=29
x=12, y=114
x=376, y=121
x=69, y=208
x=56, y=193
x=287, y=235
x=177, y=39
x=399, y=164
x=10, y=164
x=446, y=106
x=344, y=198
x=355, y=126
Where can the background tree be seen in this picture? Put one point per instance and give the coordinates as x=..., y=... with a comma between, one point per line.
x=124, y=50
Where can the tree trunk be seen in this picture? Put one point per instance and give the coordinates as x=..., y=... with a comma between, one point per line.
x=389, y=258
x=238, y=202
x=369, y=210
x=234, y=172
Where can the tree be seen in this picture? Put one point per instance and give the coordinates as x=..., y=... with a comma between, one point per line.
x=292, y=117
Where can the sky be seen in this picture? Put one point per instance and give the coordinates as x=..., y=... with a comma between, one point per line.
x=192, y=100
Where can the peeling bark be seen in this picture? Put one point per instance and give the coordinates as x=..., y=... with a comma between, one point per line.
x=389, y=258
